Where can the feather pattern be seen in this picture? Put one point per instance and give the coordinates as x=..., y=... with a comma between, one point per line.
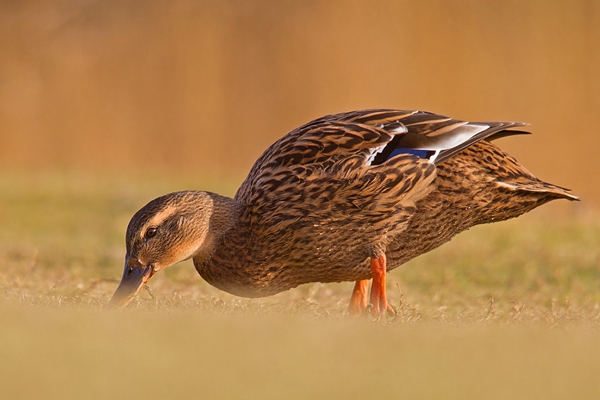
x=332, y=193
x=335, y=198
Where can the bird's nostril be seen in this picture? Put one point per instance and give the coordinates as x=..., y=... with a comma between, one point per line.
x=129, y=271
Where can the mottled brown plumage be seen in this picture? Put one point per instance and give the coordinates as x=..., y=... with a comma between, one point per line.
x=338, y=199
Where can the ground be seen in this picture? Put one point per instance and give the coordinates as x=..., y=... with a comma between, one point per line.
x=510, y=310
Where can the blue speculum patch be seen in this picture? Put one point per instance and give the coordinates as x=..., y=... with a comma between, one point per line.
x=414, y=152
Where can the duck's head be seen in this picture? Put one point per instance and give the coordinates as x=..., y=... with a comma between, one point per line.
x=169, y=229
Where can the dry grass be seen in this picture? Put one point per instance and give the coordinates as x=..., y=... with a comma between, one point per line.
x=74, y=354
x=504, y=311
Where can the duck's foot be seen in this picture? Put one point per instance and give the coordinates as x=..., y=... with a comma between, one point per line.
x=379, y=305
x=378, y=294
x=358, y=301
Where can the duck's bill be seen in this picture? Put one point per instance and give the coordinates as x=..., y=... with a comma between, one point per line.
x=135, y=277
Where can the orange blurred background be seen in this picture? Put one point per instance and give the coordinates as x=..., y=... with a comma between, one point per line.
x=201, y=88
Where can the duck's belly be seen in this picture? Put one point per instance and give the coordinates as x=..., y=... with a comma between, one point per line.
x=252, y=272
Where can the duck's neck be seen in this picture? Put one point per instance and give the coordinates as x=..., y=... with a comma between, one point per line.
x=227, y=259
x=223, y=216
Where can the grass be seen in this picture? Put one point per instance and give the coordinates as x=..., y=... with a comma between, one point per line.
x=510, y=310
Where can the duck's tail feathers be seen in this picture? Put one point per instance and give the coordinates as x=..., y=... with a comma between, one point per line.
x=554, y=191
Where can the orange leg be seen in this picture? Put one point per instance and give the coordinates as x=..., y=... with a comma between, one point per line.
x=378, y=296
x=358, y=301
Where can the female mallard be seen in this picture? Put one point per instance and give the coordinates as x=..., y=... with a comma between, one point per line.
x=346, y=197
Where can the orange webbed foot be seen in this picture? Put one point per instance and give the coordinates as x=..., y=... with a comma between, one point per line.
x=358, y=301
x=378, y=300
x=378, y=293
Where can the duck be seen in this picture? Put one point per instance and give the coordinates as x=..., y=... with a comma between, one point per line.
x=345, y=197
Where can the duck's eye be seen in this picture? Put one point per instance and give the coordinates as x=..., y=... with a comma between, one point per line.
x=151, y=232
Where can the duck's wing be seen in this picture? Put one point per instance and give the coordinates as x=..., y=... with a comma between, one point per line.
x=321, y=143
x=359, y=153
x=374, y=136
x=325, y=167
x=432, y=136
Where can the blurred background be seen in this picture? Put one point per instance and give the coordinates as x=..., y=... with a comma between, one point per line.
x=107, y=104
x=201, y=88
